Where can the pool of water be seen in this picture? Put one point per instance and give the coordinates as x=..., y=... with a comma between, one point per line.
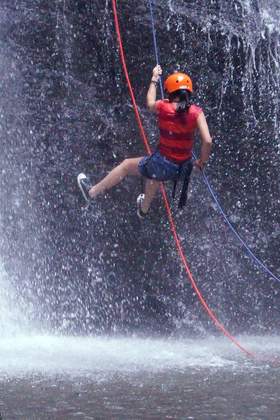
x=53, y=377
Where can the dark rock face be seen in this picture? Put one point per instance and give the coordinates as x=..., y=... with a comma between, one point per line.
x=64, y=108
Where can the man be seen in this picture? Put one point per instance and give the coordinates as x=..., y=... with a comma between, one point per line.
x=178, y=121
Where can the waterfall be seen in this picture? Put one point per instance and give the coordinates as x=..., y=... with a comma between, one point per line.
x=64, y=108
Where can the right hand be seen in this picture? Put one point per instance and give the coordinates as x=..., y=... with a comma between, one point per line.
x=157, y=72
x=199, y=164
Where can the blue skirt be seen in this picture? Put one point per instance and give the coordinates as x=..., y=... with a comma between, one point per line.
x=158, y=167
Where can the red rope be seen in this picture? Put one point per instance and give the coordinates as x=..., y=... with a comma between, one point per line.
x=210, y=313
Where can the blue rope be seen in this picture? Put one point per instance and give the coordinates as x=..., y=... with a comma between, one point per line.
x=155, y=45
x=251, y=254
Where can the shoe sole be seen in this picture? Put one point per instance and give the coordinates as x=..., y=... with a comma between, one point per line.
x=80, y=177
x=138, y=201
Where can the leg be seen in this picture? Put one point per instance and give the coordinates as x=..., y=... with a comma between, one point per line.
x=151, y=188
x=127, y=167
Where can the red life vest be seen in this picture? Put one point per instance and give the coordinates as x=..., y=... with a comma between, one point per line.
x=176, y=131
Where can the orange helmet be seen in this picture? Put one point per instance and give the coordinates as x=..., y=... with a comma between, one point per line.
x=177, y=81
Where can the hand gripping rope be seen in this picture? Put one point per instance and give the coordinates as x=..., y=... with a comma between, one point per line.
x=214, y=196
x=210, y=313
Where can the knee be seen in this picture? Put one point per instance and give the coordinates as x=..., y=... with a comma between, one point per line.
x=125, y=166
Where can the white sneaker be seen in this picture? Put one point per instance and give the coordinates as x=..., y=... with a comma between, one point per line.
x=84, y=185
x=139, y=202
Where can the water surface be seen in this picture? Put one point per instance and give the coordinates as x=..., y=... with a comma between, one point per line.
x=48, y=377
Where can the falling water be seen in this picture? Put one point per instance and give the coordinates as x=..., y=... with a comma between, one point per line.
x=97, y=318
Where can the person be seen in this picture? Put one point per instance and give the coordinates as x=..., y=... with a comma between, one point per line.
x=178, y=120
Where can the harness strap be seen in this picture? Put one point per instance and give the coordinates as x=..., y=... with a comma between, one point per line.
x=174, y=187
x=184, y=174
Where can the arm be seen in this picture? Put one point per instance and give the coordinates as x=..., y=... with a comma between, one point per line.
x=152, y=91
x=206, y=141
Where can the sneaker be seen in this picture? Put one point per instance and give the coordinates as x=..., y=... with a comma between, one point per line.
x=84, y=185
x=139, y=201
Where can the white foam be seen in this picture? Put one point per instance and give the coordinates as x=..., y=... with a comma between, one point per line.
x=95, y=355
x=88, y=354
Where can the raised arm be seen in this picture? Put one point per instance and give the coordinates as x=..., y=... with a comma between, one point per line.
x=206, y=141
x=152, y=91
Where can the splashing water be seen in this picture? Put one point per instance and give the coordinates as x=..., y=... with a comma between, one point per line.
x=79, y=356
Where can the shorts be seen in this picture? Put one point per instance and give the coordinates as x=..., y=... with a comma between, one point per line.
x=158, y=167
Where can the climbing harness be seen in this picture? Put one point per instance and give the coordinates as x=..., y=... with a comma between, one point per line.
x=210, y=313
x=234, y=231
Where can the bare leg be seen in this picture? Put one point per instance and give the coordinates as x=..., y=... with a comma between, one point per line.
x=127, y=167
x=151, y=188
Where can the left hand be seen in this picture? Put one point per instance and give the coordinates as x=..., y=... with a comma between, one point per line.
x=157, y=72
